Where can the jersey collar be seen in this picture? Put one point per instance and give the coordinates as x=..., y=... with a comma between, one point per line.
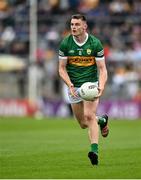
x=81, y=44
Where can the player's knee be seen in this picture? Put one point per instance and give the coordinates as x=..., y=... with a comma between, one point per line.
x=88, y=117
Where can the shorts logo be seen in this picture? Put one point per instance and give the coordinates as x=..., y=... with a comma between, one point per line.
x=89, y=51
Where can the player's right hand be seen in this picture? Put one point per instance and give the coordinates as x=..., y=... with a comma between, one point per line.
x=73, y=90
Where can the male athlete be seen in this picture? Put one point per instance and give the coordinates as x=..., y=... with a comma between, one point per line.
x=81, y=59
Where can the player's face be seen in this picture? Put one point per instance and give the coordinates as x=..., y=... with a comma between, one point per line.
x=78, y=27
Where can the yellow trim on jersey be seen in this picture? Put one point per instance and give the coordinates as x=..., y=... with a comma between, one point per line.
x=81, y=60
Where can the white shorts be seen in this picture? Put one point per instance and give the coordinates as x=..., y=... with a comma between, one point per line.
x=73, y=99
x=78, y=99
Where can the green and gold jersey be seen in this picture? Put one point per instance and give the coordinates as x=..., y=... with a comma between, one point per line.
x=81, y=58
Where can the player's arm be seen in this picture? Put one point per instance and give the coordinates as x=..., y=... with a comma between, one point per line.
x=64, y=75
x=63, y=59
x=102, y=75
x=100, y=61
x=63, y=72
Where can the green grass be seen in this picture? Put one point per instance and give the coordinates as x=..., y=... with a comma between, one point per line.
x=55, y=148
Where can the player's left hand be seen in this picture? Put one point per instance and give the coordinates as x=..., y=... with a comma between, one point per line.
x=100, y=91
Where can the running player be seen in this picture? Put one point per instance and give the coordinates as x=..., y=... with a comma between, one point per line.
x=81, y=59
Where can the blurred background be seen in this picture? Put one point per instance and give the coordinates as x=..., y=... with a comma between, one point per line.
x=30, y=34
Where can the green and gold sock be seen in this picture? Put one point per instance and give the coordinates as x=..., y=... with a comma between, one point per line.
x=94, y=148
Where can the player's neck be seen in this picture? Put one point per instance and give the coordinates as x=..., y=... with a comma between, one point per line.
x=81, y=38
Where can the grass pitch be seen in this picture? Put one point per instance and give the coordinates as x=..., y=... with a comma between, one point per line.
x=57, y=149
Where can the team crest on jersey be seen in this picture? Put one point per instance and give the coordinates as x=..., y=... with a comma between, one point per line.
x=89, y=51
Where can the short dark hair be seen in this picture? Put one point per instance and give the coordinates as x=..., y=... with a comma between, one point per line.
x=79, y=16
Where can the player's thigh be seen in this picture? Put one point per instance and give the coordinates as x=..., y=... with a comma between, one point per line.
x=77, y=109
x=90, y=107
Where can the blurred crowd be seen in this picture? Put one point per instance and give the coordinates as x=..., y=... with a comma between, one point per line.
x=116, y=22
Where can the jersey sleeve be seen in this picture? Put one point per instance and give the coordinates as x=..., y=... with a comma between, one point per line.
x=99, y=54
x=63, y=50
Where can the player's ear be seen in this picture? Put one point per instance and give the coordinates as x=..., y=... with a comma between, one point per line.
x=85, y=26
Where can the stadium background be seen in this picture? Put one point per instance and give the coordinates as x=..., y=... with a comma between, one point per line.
x=52, y=145
x=29, y=81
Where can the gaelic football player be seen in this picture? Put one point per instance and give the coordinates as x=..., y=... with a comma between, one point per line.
x=81, y=59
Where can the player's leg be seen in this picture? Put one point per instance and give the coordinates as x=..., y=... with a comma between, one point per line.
x=90, y=117
x=90, y=108
x=103, y=123
x=85, y=115
x=78, y=111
